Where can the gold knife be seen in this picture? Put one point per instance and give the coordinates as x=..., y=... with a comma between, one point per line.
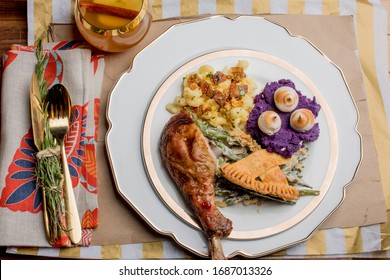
x=38, y=134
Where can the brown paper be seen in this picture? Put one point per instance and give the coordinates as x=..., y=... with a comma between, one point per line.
x=364, y=202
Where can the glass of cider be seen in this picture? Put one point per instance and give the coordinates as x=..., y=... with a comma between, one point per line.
x=113, y=25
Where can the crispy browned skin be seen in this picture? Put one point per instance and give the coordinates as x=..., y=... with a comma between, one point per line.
x=191, y=164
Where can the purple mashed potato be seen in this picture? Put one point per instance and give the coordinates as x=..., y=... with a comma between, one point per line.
x=286, y=141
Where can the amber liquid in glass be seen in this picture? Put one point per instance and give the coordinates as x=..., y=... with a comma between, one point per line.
x=103, y=29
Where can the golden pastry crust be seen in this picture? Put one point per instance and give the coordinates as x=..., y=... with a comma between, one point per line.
x=258, y=162
x=246, y=180
x=274, y=175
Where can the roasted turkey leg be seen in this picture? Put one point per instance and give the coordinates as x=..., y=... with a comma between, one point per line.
x=190, y=162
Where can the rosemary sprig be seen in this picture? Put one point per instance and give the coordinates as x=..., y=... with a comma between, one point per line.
x=48, y=168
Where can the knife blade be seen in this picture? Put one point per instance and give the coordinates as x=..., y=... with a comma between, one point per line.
x=38, y=134
x=36, y=112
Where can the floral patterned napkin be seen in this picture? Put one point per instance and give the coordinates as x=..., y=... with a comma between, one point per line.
x=72, y=64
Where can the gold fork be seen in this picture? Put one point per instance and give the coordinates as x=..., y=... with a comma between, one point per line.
x=58, y=108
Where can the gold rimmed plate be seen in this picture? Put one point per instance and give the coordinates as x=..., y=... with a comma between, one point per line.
x=136, y=113
x=250, y=222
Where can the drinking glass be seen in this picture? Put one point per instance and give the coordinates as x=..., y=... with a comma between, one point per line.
x=113, y=25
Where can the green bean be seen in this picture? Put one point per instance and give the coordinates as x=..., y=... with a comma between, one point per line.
x=218, y=137
x=233, y=193
x=296, y=181
x=228, y=151
x=309, y=192
x=210, y=131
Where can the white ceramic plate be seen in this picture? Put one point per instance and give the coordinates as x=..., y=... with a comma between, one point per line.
x=136, y=113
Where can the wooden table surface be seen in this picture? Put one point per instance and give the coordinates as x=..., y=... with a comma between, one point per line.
x=13, y=26
x=13, y=30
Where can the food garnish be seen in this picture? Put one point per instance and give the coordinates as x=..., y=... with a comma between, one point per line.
x=108, y=9
x=286, y=99
x=269, y=122
x=48, y=166
x=302, y=120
